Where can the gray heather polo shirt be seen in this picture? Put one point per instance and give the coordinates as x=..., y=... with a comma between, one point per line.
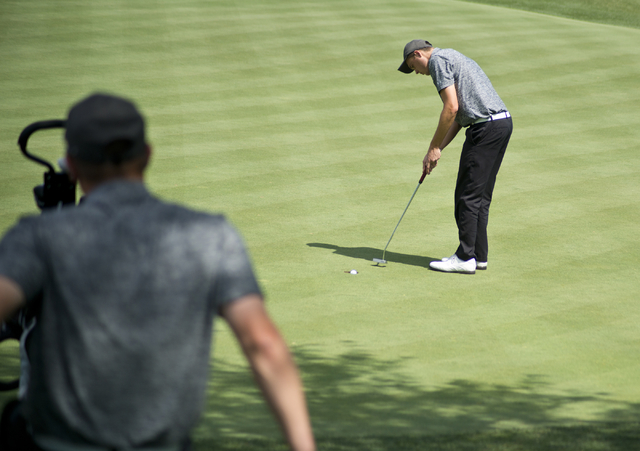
x=477, y=98
x=131, y=286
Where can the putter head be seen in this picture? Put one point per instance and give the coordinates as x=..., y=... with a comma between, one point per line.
x=379, y=260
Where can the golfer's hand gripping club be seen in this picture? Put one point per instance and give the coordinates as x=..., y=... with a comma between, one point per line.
x=430, y=160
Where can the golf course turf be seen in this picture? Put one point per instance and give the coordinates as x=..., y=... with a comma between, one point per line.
x=292, y=119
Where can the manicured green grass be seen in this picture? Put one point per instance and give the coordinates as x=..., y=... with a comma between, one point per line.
x=292, y=119
x=625, y=13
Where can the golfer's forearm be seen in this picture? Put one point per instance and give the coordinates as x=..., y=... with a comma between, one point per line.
x=280, y=383
x=453, y=131
x=446, y=122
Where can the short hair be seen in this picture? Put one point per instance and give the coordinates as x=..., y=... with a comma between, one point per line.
x=112, y=169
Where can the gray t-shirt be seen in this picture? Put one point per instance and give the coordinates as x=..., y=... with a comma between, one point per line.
x=477, y=98
x=131, y=285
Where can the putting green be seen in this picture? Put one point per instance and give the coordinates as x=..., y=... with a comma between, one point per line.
x=293, y=120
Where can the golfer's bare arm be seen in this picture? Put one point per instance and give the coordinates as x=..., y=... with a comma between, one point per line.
x=447, y=129
x=453, y=131
x=11, y=298
x=273, y=367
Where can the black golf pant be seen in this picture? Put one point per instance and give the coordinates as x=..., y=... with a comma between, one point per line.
x=480, y=161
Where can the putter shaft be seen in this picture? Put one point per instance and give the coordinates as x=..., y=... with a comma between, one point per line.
x=405, y=210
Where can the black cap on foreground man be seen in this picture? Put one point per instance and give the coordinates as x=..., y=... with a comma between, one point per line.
x=469, y=100
x=131, y=286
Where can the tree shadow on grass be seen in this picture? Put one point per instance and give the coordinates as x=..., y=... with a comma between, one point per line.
x=369, y=253
x=359, y=402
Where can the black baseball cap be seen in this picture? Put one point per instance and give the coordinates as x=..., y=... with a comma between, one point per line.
x=411, y=47
x=100, y=120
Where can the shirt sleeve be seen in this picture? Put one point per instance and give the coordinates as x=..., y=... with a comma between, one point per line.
x=20, y=258
x=441, y=72
x=236, y=277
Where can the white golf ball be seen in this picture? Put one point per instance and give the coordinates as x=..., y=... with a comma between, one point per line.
x=353, y=271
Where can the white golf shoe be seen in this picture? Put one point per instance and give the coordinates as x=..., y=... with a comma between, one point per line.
x=454, y=264
x=481, y=266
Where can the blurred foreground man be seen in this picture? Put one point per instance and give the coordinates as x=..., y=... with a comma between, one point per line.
x=130, y=288
x=469, y=100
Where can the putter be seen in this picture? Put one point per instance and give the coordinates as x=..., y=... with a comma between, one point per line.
x=382, y=260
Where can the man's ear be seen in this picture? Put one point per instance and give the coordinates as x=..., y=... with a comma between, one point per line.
x=72, y=168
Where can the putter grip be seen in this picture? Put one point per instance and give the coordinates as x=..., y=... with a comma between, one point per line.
x=424, y=174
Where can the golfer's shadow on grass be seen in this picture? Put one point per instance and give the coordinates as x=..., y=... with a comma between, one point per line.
x=369, y=253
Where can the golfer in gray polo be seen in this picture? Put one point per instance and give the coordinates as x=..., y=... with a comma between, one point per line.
x=469, y=100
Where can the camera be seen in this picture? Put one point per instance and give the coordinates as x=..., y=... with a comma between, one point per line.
x=58, y=189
